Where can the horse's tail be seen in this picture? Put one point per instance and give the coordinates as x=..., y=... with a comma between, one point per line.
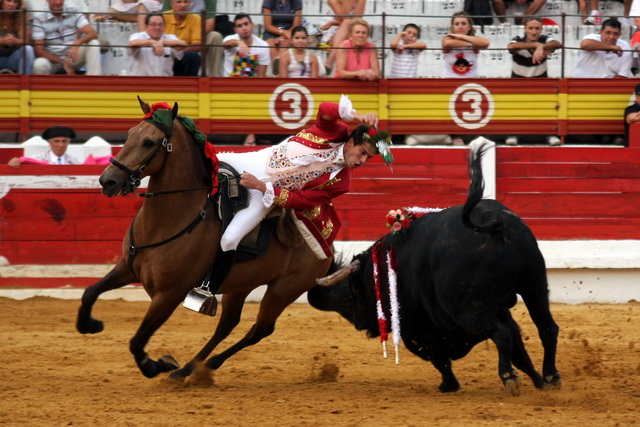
x=487, y=220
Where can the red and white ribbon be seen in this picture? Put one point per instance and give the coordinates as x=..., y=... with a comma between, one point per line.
x=395, y=305
x=382, y=320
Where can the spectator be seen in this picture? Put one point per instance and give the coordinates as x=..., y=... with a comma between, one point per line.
x=634, y=11
x=358, y=57
x=130, y=11
x=461, y=48
x=530, y=54
x=481, y=11
x=604, y=55
x=153, y=51
x=533, y=7
x=631, y=114
x=298, y=61
x=34, y=6
x=59, y=138
x=16, y=56
x=336, y=27
x=595, y=18
x=188, y=28
x=635, y=46
x=213, y=36
x=406, y=48
x=245, y=55
x=64, y=41
x=279, y=17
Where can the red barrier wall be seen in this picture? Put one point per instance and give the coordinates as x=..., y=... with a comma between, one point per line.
x=563, y=193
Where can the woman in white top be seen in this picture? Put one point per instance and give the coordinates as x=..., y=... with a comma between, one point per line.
x=299, y=61
x=462, y=47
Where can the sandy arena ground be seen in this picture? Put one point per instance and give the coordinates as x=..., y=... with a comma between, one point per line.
x=315, y=370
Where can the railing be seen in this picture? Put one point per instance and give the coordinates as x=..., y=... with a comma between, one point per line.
x=494, y=61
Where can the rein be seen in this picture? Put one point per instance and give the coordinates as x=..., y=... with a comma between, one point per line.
x=133, y=249
x=150, y=194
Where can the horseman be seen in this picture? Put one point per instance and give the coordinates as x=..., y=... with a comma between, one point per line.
x=304, y=173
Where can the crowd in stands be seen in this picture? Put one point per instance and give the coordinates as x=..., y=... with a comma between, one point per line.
x=60, y=37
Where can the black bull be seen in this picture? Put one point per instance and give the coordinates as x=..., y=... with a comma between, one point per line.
x=458, y=273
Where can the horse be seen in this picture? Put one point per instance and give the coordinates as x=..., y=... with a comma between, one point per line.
x=173, y=240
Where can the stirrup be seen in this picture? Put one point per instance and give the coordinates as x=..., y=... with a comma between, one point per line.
x=201, y=300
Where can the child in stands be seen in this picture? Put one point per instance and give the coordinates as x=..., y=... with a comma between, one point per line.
x=406, y=48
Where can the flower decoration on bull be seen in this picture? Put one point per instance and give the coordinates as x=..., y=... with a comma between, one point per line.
x=399, y=219
x=381, y=140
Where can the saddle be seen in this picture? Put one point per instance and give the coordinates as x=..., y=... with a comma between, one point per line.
x=231, y=198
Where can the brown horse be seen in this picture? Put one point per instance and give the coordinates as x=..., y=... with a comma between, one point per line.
x=174, y=238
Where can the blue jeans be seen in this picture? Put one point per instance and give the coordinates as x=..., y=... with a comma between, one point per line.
x=17, y=62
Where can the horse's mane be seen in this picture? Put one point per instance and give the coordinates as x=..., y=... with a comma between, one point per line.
x=199, y=139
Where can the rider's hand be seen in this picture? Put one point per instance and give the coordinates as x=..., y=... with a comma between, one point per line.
x=369, y=119
x=250, y=181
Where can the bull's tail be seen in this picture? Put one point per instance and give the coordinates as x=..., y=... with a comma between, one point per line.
x=485, y=221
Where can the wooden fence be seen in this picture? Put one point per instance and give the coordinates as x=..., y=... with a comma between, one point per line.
x=102, y=105
x=57, y=215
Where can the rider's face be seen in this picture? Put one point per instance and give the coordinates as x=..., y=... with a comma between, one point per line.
x=357, y=155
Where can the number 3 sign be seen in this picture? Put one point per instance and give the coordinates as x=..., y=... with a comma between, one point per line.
x=291, y=106
x=471, y=106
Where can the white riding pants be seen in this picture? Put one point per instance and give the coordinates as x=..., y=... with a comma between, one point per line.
x=244, y=221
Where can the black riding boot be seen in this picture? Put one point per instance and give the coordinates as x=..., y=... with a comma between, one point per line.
x=223, y=265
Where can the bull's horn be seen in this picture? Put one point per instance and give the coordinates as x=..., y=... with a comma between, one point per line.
x=339, y=275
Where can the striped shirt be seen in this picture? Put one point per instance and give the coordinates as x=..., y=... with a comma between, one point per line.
x=405, y=62
x=523, y=65
x=58, y=34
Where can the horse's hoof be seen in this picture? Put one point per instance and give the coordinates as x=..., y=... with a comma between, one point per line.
x=513, y=386
x=552, y=382
x=449, y=387
x=179, y=375
x=168, y=363
x=90, y=326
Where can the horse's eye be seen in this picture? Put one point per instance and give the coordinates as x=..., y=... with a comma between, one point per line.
x=148, y=143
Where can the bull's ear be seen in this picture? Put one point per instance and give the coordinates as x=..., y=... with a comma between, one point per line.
x=145, y=107
x=339, y=275
x=174, y=111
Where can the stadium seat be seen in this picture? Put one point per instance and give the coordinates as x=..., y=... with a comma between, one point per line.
x=117, y=60
x=494, y=63
x=440, y=11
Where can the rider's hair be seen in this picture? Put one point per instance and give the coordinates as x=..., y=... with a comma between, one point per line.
x=358, y=133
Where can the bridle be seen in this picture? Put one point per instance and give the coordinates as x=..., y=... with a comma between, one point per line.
x=134, y=175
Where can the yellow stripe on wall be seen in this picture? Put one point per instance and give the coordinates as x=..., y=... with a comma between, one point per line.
x=507, y=107
x=105, y=104
x=255, y=106
x=10, y=105
x=596, y=106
